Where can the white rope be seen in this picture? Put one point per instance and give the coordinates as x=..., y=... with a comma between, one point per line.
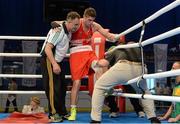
x=20, y=54
x=22, y=92
x=23, y=55
x=20, y=76
x=28, y=76
x=145, y=76
x=153, y=97
x=146, y=96
x=31, y=92
x=22, y=38
x=150, y=40
x=144, y=43
x=152, y=17
x=162, y=36
x=156, y=75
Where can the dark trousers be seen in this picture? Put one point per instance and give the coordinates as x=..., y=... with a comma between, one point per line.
x=111, y=101
x=56, y=96
x=135, y=102
x=8, y=104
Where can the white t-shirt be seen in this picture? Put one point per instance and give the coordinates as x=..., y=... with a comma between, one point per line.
x=60, y=40
x=27, y=109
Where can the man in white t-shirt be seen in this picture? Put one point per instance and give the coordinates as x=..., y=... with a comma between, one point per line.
x=53, y=52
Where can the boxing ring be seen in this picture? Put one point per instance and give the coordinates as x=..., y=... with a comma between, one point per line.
x=140, y=44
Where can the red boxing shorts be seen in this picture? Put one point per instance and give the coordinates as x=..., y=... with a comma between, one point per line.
x=80, y=63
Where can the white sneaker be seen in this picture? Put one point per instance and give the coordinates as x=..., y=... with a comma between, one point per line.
x=114, y=114
x=141, y=114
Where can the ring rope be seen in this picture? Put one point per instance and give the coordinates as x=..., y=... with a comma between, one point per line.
x=156, y=75
x=145, y=76
x=20, y=54
x=144, y=43
x=26, y=38
x=23, y=55
x=29, y=92
x=146, y=96
x=152, y=17
x=153, y=97
x=154, y=39
x=27, y=76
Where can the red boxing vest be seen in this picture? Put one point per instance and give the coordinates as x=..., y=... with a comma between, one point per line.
x=80, y=37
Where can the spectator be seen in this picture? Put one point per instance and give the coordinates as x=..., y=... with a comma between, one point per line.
x=166, y=90
x=158, y=89
x=34, y=106
x=173, y=113
x=11, y=97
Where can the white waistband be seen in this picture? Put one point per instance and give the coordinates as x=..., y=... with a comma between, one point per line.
x=80, y=49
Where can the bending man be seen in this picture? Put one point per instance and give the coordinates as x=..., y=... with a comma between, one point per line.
x=127, y=66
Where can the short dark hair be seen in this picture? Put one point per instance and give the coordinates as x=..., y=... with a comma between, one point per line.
x=90, y=12
x=72, y=15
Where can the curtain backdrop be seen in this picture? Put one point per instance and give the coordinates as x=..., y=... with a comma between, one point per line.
x=160, y=61
x=29, y=63
x=1, y=58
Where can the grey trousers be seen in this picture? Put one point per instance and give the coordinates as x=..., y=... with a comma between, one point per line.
x=120, y=73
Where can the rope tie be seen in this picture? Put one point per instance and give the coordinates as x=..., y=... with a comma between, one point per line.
x=142, y=58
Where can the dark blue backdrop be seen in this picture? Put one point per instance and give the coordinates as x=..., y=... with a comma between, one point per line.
x=25, y=17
